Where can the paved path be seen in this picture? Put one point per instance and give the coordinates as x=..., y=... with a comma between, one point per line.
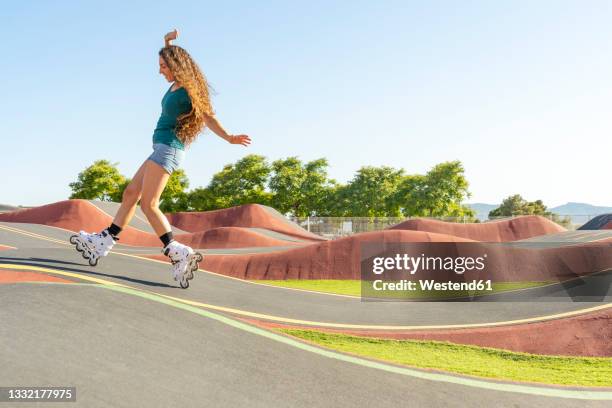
x=116, y=335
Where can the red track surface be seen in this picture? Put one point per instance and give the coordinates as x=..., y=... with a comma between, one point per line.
x=248, y=215
x=340, y=259
x=206, y=231
x=27, y=276
x=496, y=231
x=315, y=258
x=589, y=334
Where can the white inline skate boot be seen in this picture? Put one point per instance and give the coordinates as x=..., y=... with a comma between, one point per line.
x=93, y=246
x=184, y=262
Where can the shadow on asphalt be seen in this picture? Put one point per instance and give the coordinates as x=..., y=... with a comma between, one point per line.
x=41, y=262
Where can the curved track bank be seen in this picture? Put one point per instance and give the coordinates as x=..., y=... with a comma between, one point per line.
x=587, y=335
x=43, y=246
x=245, y=299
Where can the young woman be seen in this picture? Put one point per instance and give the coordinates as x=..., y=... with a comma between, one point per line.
x=186, y=110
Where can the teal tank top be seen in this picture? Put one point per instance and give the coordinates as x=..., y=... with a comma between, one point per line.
x=173, y=105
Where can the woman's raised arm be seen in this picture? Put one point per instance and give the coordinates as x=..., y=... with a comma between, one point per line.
x=171, y=36
x=216, y=127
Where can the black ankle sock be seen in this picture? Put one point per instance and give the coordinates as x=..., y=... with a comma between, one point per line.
x=167, y=238
x=114, y=230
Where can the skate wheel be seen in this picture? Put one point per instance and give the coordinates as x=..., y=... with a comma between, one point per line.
x=84, y=254
x=189, y=275
x=198, y=257
x=79, y=248
x=93, y=262
x=184, y=283
x=73, y=240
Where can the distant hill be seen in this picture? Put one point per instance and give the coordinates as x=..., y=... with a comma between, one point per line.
x=482, y=210
x=580, y=209
x=6, y=207
x=580, y=213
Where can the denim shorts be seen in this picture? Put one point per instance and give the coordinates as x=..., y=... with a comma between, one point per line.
x=169, y=158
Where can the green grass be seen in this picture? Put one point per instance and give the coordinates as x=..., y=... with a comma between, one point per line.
x=353, y=288
x=470, y=360
x=341, y=287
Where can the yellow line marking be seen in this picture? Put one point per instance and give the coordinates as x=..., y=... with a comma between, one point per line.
x=32, y=234
x=296, y=289
x=308, y=322
x=42, y=237
x=265, y=284
x=58, y=272
x=249, y=281
x=45, y=238
x=384, y=327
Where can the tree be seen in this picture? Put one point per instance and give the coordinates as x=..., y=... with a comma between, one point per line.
x=370, y=193
x=438, y=193
x=411, y=195
x=317, y=187
x=333, y=201
x=100, y=181
x=297, y=188
x=117, y=196
x=241, y=183
x=517, y=205
x=201, y=199
x=301, y=189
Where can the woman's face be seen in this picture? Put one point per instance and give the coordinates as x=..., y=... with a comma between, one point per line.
x=164, y=70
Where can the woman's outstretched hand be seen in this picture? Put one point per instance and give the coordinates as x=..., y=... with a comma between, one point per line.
x=240, y=139
x=171, y=36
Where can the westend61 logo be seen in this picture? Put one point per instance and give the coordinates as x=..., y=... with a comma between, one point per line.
x=412, y=264
x=481, y=271
x=425, y=270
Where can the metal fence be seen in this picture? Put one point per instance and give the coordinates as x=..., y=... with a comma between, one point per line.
x=336, y=227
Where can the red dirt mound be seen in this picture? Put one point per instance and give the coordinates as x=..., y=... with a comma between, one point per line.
x=337, y=259
x=248, y=215
x=588, y=335
x=607, y=226
x=495, y=231
x=232, y=237
x=76, y=215
x=73, y=215
x=340, y=259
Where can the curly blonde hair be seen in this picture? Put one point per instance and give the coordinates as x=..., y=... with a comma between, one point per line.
x=188, y=74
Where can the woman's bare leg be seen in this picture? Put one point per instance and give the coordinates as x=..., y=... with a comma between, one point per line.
x=153, y=184
x=131, y=195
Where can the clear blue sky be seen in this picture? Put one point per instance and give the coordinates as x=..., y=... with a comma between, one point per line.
x=519, y=91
